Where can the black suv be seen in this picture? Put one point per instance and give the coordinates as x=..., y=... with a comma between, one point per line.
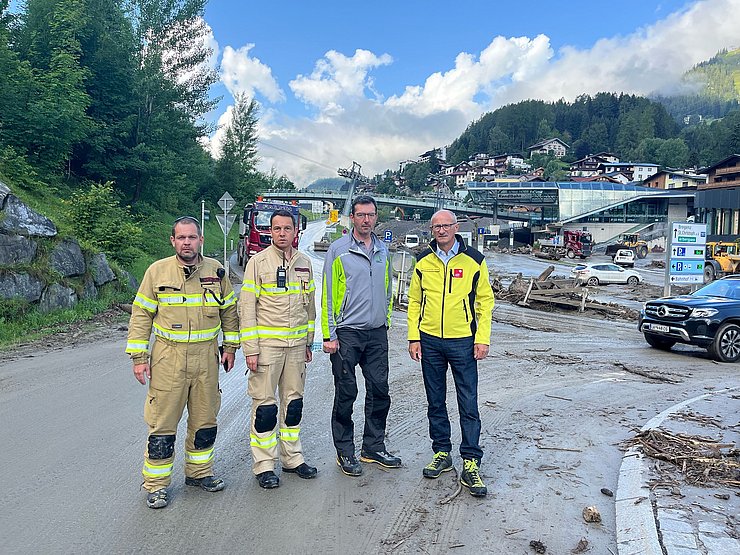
x=709, y=318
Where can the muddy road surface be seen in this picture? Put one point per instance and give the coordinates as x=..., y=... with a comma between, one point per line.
x=558, y=393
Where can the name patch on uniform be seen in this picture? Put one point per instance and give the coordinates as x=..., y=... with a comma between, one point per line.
x=210, y=279
x=176, y=326
x=457, y=272
x=297, y=269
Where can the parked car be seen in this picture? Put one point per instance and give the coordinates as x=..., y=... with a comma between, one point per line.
x=624, y=257
x=602, y=274
x=708, y=318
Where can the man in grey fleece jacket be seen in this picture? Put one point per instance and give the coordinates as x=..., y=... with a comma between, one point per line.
x=356, y=310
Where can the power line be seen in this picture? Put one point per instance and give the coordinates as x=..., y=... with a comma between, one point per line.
x=297, y=155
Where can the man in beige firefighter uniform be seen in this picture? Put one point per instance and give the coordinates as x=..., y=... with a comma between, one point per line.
x=277, y=309
x=186, y=300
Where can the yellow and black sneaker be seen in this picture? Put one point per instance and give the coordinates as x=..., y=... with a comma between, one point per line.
x=441, y=462
x=470, y=478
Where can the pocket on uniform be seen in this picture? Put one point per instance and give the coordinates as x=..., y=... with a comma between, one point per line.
x=211, y=299
x=163, y=365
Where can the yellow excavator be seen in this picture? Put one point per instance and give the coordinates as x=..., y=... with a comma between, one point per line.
x=722, y=258
x=629, y=241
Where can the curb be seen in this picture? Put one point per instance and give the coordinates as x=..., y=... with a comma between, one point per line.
x=637, y=527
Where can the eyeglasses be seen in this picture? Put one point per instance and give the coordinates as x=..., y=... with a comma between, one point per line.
x=438, y=227
x=362, y=215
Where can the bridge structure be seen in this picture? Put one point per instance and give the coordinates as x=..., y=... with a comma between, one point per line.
x=432, y=203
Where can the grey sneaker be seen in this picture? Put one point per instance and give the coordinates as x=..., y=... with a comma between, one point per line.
x=157, y=499
x=441, y=462
x=470, y=478
x=349, y=465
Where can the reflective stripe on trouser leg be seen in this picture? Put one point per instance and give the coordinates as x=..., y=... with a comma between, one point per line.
x=291, y=386
x=262, y=385
x=163, y=407
x=203, y=406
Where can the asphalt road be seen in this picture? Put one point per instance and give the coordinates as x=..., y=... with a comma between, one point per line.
x=558, y=394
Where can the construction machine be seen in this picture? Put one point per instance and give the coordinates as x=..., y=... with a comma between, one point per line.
x=570, y=243
x=629, y=241
x=721, y=258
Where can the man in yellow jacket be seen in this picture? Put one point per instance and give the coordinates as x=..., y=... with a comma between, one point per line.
x=278, y=311
x=186, y=300
x=449, y=323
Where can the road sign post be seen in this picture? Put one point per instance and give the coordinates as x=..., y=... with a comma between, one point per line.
x=226, y=220
x=685, y=255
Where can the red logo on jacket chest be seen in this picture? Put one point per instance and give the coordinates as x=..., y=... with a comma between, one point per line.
x=457, y=272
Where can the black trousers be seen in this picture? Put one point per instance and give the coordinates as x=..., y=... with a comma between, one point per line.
x=369, y=349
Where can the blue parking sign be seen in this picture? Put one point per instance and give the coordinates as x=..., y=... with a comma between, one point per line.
x=388, y=236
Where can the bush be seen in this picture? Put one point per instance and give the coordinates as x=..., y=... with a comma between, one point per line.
x=101, y=223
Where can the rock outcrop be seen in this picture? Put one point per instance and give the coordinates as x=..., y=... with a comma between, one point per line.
x=70, y=274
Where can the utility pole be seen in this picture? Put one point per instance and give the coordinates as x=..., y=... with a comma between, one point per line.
x=355, y=176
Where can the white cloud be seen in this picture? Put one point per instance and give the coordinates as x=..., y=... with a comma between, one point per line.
x=350, y=121
x=242, y=73
x=337, y=77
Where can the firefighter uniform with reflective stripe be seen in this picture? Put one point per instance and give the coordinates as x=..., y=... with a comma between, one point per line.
x=277, y=324
x=186, y=307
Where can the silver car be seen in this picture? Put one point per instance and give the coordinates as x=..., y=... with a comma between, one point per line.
x=602, y=274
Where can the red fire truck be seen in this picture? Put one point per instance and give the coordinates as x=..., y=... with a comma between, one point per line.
x=254, y=227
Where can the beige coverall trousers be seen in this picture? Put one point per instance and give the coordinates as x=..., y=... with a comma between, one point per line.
x=183, y=374
x=282, y=368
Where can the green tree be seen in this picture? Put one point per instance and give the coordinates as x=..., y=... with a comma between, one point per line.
x=55, y=118
x=238, y=154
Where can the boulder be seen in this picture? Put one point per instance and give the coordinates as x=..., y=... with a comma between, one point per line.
x=56, y=297
x=89, y=291
x=131, y=281
x=19, y=219
x=67, y=258
x=16, y=249
x=20, y=286
x=4, y=192
x=100, y=269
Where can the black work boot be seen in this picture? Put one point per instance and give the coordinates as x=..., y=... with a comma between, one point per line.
x=268, y=479
x=303, y=471
x=349, y=465
x=383, y=458
x=157, y=499
x=208, y=483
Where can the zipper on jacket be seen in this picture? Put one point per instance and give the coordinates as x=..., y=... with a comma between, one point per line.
x=450, y=291
x=423, y=306
x=465, y=308
x=442, y=314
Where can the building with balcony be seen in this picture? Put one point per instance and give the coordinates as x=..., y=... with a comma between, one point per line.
x=718, y=200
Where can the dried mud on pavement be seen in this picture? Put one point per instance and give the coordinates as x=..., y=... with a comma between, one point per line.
x=559, y=394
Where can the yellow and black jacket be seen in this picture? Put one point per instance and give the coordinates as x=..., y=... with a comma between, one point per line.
x=450, y=301
x=183, y=305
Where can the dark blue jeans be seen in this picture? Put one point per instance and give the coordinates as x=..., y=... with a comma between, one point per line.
x=436, y=355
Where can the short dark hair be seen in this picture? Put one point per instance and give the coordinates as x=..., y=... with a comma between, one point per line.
x=282, y=212
x=186, y=220
x=363, y=199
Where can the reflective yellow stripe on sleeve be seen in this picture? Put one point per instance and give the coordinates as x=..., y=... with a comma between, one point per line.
x=146, y=303
x=135, y=346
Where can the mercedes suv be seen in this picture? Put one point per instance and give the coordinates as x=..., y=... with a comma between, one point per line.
x=708, y=318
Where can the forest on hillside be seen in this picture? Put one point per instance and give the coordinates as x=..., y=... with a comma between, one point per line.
x=632, y=127
x=105, y=99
